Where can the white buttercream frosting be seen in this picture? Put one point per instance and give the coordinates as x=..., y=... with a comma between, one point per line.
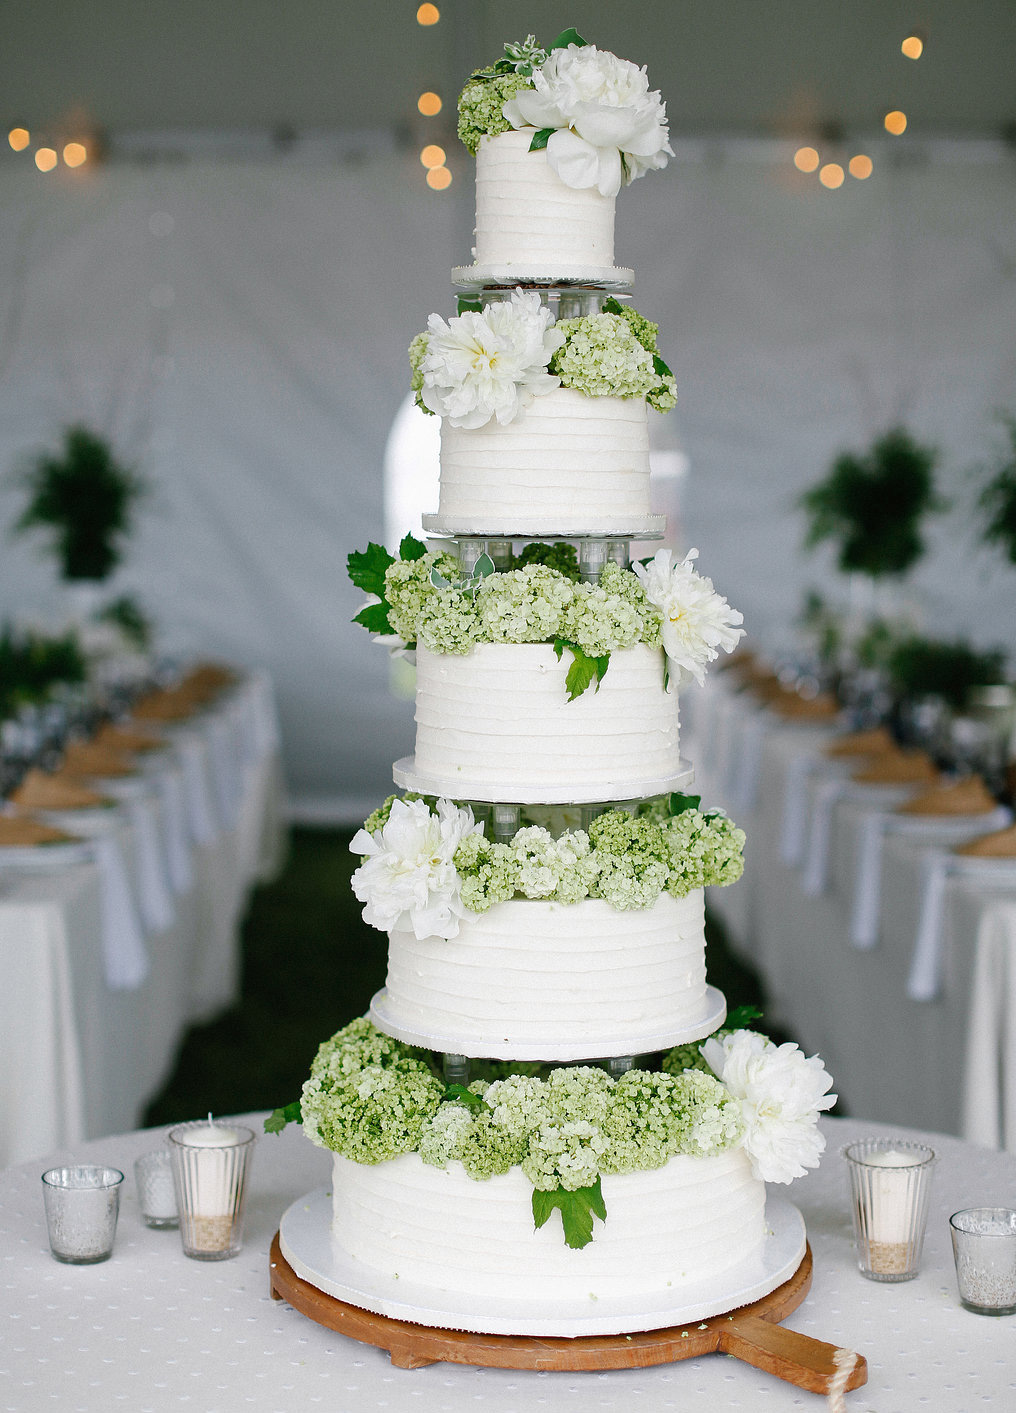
x=538, y=973
x=566, y=454
x=526, y=216
x=499, y=716
x=692, y=1218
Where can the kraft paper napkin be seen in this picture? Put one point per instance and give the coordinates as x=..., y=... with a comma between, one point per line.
x=41, y=790
x=875, y=742
x=18, y=831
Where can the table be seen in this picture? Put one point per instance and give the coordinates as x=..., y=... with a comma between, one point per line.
x=151, y=1331
x=83, y=1050
x=895, y=1054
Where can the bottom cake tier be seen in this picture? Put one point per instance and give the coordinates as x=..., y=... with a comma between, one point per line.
x=543, y=1297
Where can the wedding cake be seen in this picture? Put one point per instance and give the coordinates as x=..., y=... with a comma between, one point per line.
x=548, y=1111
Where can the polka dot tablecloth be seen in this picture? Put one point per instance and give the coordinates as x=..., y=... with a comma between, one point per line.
x=150, y=1330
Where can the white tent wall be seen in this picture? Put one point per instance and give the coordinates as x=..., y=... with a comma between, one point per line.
x=239, y=331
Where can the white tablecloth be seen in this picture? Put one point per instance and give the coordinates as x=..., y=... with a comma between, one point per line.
x=150, y=1330
x=894, y=1056
x=85, y=1046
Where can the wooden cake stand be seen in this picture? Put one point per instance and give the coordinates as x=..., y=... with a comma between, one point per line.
x=752, y=1333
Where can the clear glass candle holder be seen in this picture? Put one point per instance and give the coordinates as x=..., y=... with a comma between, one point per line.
x=153, y=1174
x=890, y=1182
x=984, y=1249
x=211, y=1163
x=82, y=1205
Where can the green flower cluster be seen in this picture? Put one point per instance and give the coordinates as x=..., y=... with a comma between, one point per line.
x=412, y=598
x=603, y=356
x=368, y=1096
x=566, y=1130
x=417, y=353
x=534, y=604
x=626, y=860
x=481, y=105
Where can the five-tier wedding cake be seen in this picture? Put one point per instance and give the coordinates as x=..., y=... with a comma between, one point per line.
x=548, y=1123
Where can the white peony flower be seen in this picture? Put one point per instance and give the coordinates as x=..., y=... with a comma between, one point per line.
x=408, y=876
x=490, y=363
x=602, y=109
x=697, y=621
x=781, y=1092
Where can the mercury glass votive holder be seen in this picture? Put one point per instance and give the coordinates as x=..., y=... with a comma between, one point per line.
x=210, y=1178
x=82, y=1204
x=890, y=1182
x=153, y=1174
x=984, y=1249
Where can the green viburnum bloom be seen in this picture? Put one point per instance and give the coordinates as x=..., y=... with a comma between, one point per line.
x=704, y=850
x=634, y=860
x=599, y=621
x=488, y=872
x=601, y=357
x=408, y=589
x=524, y=605
x=447, y=622
x=481, y=105
x=560, y=556
x=417, y=353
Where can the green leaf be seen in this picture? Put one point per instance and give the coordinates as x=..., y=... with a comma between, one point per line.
x=566, y=37
x=374, y=617
x=660, y=367
x=584, y=669
x=411, y=548
x=679, y=803
x=279, y=1118
x=459, y=1093
x=483, y=567
x=541, y=138
x=367, y=568
x=468, y=306
x=741, y=1017
x=577, y=1211
x=611, y=306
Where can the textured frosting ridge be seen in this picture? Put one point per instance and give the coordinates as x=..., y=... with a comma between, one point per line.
x=532, y=972
x=565, y=454
x=499, y=715
x=525, y=214
x=692, y=1218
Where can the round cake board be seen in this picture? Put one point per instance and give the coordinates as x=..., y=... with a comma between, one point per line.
x=709, y=1017
x=752, y=1334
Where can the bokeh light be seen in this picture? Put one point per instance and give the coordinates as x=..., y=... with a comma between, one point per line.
x=429, y=104
x=913, y=46
x=45, y=159
x=806, y=159
x=439, y=178
x=895, y=122
x=19, y=138
x=860, y=167
x=75, y=153
x=432, y=155
x=428, y=15
x=831, y=175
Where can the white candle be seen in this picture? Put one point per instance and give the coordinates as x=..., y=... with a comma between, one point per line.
x=212, y=1169
x=891, y=1202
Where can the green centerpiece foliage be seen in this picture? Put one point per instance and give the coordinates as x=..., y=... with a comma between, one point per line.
x=84, y=499
x=31, y=665
x=997, y=500
x=872, y=506
x=927, y=667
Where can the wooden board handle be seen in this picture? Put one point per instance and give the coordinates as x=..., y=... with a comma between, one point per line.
x=808, y=1363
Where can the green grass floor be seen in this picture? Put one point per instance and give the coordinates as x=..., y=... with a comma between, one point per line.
x=310, y=964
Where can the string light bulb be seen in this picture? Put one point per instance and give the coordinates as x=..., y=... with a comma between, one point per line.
x=19, y=138
x=913, y=46
x=439, y=178
x=895, y=122
x=831, y=175
x=860, y=167
x=432, y=155
x=428, y=15
x=45, y=159
x=806, y=159
x=429, y=104
x=75, y=153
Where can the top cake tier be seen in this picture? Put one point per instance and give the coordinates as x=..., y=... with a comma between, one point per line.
x=556, y=132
